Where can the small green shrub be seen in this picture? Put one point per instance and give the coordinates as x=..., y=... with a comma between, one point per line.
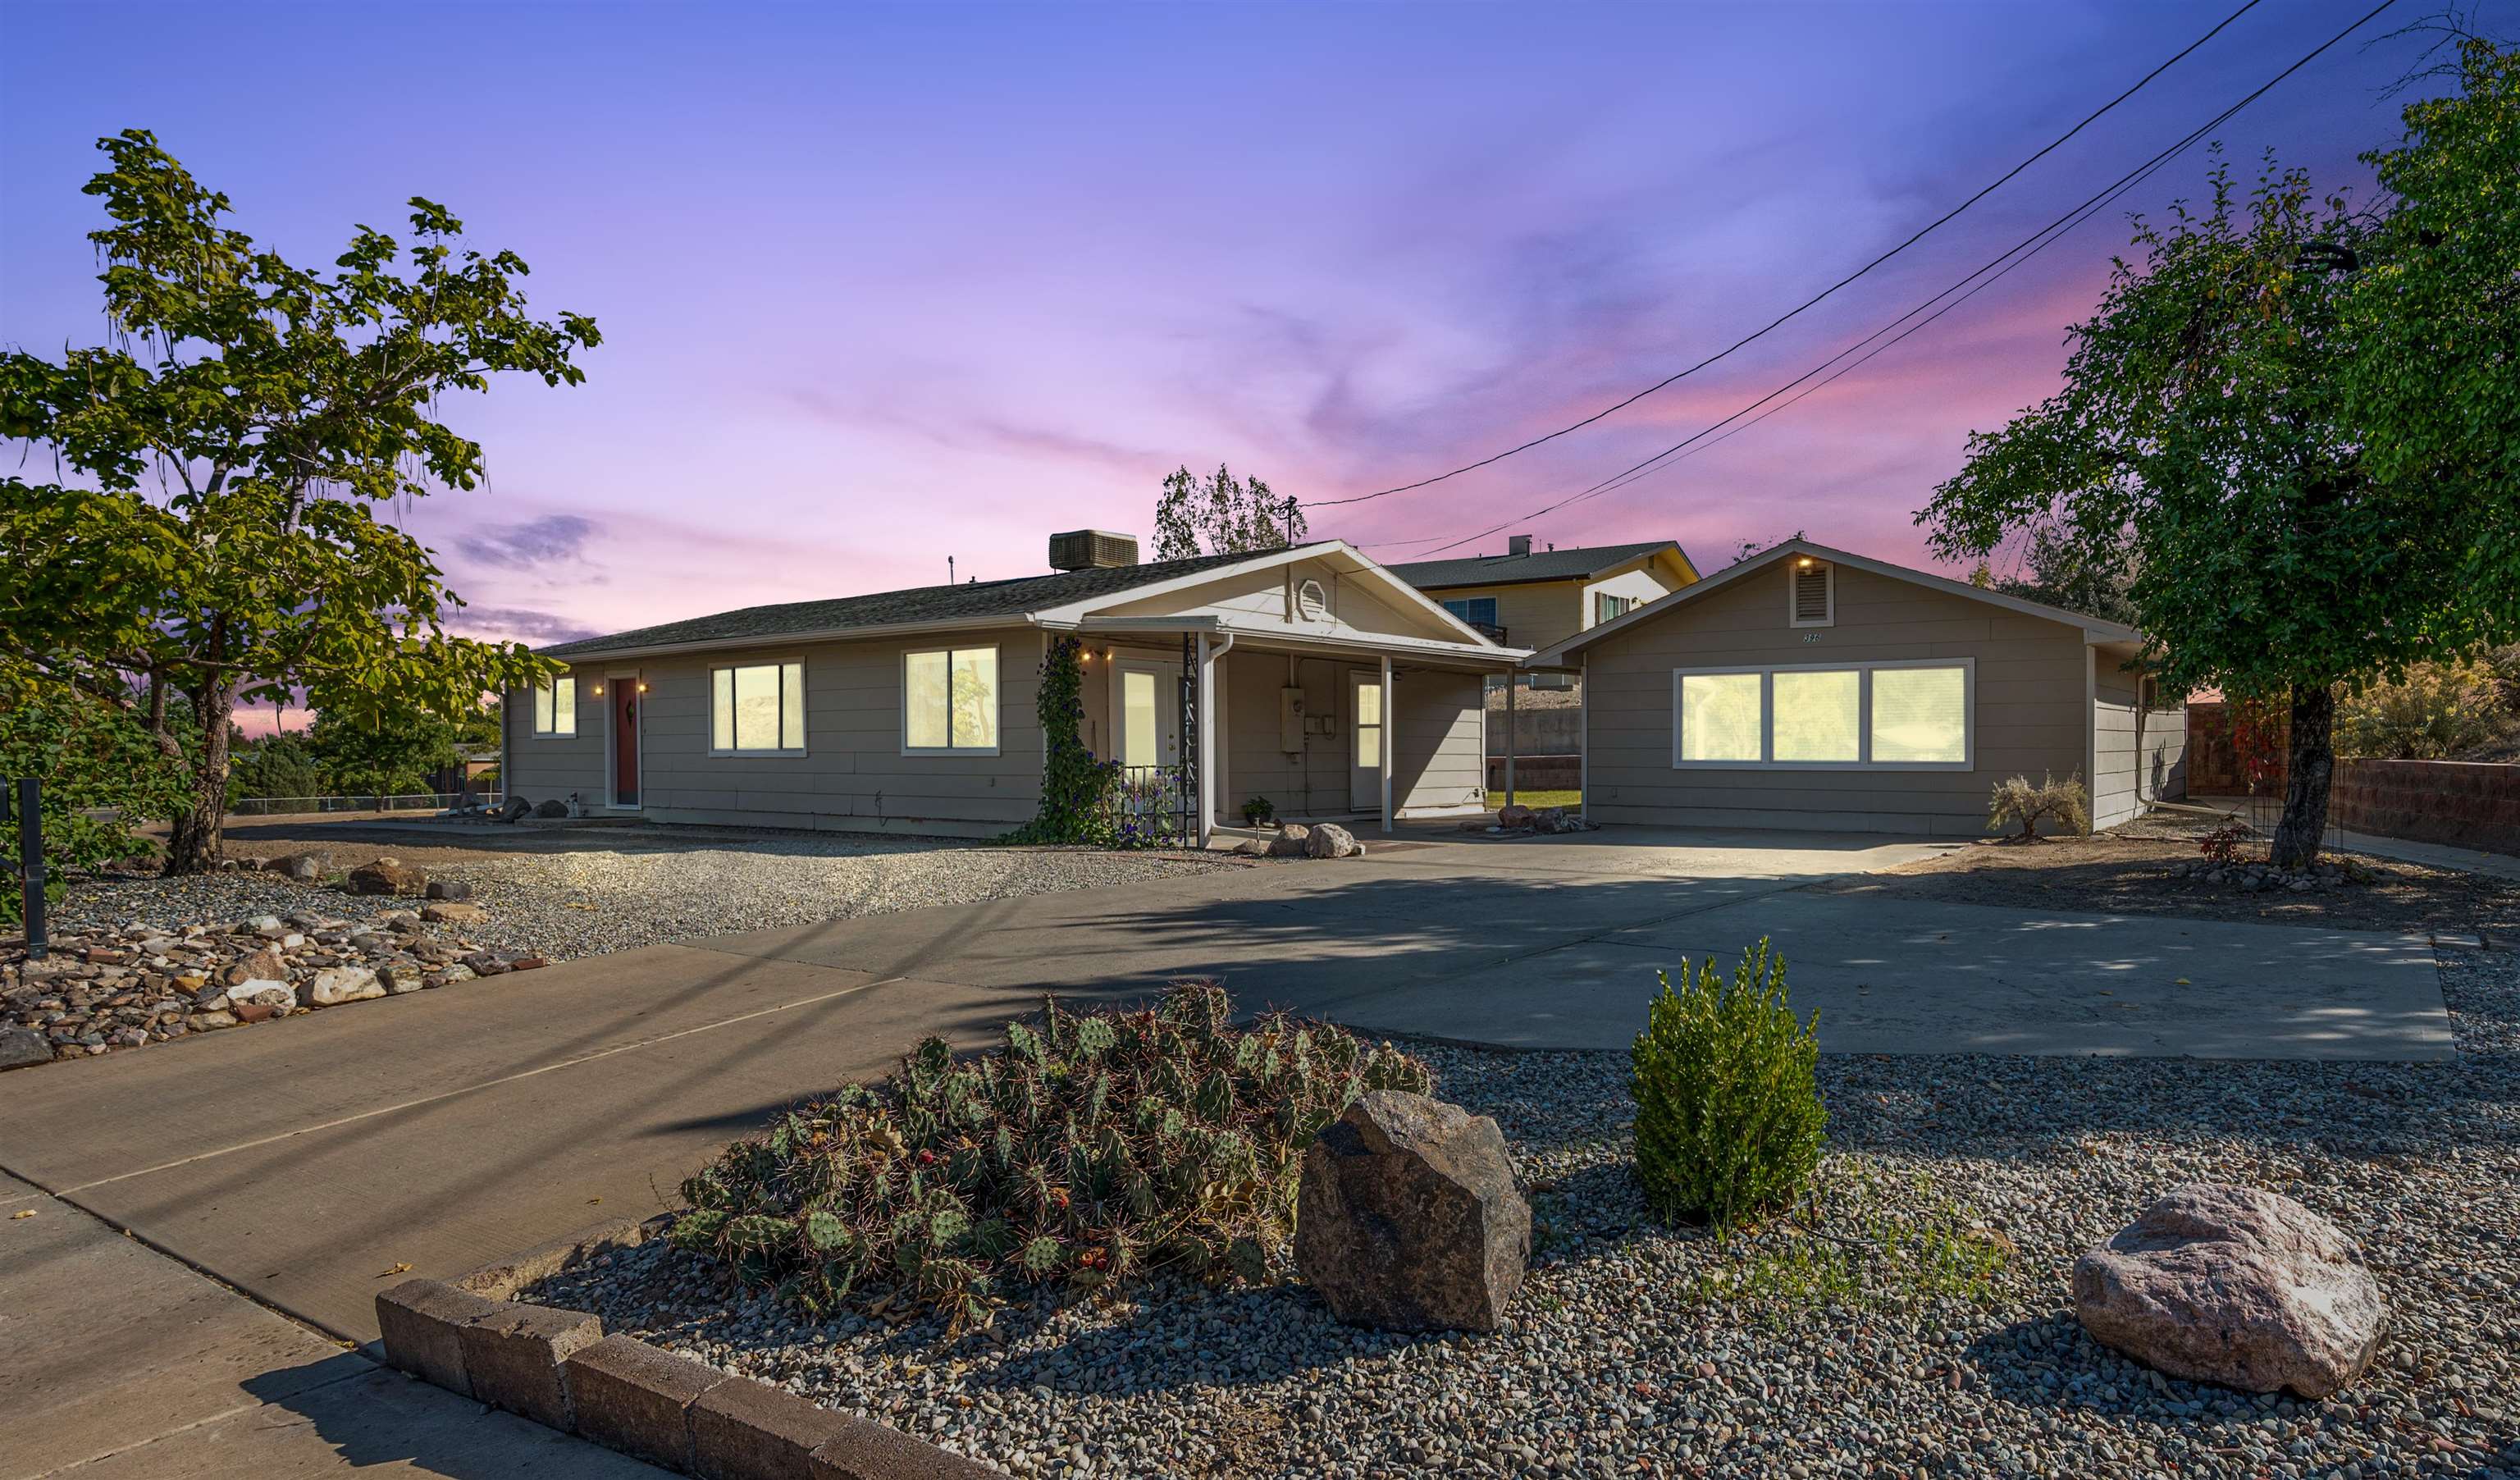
x=2439, y=711
x=1088, y=1148
x=2017, y=801
x=1727, y=1094
x=1257, y=810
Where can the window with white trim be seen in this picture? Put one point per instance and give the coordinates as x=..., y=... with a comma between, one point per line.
x=757, y=709
x=948, y=701
x=555, y=708
x=1910, y=715
x=1609, y=609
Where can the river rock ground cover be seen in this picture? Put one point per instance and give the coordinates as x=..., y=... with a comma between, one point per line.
x=165, y=945
x=1924, y=1329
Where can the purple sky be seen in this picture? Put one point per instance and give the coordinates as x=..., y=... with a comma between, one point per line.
x=884, y=286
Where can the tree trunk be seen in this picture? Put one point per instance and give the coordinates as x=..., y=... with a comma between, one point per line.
x=2309, y=766
x=194, y=846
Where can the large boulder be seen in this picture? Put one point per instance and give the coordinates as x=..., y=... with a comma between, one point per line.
x=449, y=888
x=304, y=867
x=21, y=1047
x=335, y=985
x=1515, y=815
x=512, y=808
x=1330, y=841
x=387, y=875
x=2233, y=1285
x=1289, y=841
x=1408, y=1218
x=553, y=808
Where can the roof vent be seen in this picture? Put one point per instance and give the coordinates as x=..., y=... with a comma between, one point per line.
x=1518, y=544
x=1092, y=550
x=1814, y=597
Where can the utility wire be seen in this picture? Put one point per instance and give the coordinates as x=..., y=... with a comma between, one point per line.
x=1920, y=234
x=2004, y=262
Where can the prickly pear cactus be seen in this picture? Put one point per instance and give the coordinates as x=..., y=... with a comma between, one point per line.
x=1088, y=1148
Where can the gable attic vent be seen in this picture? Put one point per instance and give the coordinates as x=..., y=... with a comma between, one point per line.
x=1815, y=593
x=1092, y=550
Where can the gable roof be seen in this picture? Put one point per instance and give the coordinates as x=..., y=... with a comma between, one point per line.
x=2092, y=628
x=1580, y=562
x=919, y=605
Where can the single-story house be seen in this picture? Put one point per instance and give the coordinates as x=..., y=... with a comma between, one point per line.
x=1811, y=688
x=1288, y=675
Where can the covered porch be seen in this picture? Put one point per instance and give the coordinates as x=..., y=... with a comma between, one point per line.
x=1205, y=714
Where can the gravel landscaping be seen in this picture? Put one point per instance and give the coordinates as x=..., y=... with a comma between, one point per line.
x=1925, y=1328
x=143, y=960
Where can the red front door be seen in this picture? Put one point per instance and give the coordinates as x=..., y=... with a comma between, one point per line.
x=625, y=742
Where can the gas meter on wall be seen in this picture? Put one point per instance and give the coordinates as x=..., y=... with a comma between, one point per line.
x=1290, y=720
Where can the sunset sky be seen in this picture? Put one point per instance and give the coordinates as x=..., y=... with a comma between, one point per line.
x=883, y=286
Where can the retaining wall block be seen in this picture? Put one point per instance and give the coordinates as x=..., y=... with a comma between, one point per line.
x=512, y=1353
x=745, y=1430
x=864, y=1450
x=421, y=1323
x=628, y=1396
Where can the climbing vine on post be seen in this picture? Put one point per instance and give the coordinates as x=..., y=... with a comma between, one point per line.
x=1073, y=783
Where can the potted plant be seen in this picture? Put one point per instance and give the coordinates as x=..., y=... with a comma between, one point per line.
x=1258, y=810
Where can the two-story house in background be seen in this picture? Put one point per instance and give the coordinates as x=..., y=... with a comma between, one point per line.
x=1528, y=598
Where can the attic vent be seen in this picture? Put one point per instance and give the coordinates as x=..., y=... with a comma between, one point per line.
x=1092, y=550
x=1815, y=593
x=1312, y=603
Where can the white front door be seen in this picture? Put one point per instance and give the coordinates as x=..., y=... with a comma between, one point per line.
x=1365, y=741
x=1146, y=712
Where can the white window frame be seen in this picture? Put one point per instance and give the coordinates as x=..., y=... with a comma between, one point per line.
x=804, y=696
x=1862, y=719
x=1828, y=584
x=999, y=659
x=534, y=720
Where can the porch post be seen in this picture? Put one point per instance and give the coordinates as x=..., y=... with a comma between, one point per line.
x=1389, y=750
x=1584, y=738
x=1207, y=742
x=1512, y=681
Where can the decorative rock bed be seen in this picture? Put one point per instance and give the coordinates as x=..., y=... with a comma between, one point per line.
x=1633, y=1349
x=103, y=988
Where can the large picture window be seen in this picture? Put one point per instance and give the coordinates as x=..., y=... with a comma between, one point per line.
x=757, y=709
x=949, y=701
x=1910, y=716
x=555, y=708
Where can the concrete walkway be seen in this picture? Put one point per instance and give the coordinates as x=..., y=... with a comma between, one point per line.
x=119, y=1362
x=302, y=1162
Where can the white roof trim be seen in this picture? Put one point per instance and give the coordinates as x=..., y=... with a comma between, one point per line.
x=1270, y=633
x=2093, y=630
x=1364, y=565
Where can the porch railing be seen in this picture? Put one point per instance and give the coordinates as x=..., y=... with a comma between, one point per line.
x=1149, y=806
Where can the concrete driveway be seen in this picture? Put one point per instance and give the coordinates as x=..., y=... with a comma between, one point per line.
x=301, y=1162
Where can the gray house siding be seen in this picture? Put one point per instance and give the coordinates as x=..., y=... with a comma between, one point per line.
x=852, y=776
x=1436, y=745
x=2032, y=710
x=543, y=769
x=2129, y=770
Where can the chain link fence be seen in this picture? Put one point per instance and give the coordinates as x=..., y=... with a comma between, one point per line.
x=409, y=801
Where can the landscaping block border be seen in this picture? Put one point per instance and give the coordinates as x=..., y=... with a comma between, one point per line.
x=559, y=1369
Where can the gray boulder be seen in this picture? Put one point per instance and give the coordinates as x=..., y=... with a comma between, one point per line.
x=1330, y=841
x=2235, y=1285
x=448, y=888
x=512, y=808
x=23, y=1047
x=1408, y=1218
x=304, y=867
x=553, y=808
x=1289, y=841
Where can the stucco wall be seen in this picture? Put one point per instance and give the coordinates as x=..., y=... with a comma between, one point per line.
x=2032, y=709
x=853, y=776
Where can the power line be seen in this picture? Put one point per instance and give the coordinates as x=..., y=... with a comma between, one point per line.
x=2024, y=250
x=1920, y=234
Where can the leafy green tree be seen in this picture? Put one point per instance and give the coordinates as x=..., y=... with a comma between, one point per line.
x=363, y=753
x=2063, y=571
x=280, y=764
x=2205, y=431
x=1222, y=514
x=102, y=774
x=240, y=432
